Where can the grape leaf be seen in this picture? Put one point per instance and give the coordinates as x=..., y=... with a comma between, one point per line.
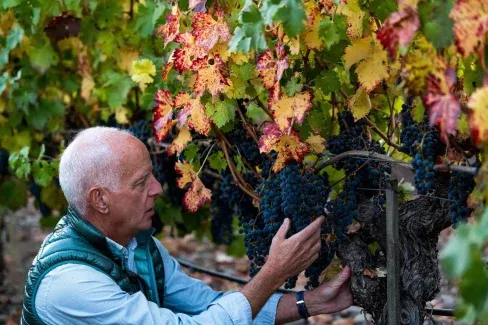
x=328, y=82
x=291, y=109
x=187, y=53
x=42, y=57
x=383, y=8
x=355, y=17
x=209, y=75
x=293, y=86
x=317, y=143
x=217, y=161
x=288, y=146
x=171, y=28
x=360, y=104
x=435, y=21
x=478, y=117
x=190, y=152
x=271, y=69
x=442, y=104
x=311, y=34
x=251, y=35
x=185, y=171
x=42, y=172
x=162, y=114
x=399, y=30
x=470, y=26
x=208, y=32
x=194, y=112
x=196, y=196
x=291, y=13
x=372, y=68
x=179, y=144
x=221, y=112
x=142, y=70
x=328, y=32
x=147, y=16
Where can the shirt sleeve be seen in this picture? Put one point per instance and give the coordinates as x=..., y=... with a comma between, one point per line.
x=78, y=294
x=179, y=286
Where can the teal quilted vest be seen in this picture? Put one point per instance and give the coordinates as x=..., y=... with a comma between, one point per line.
x=75, y=240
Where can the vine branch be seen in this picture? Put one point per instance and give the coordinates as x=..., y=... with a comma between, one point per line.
x=381, y=134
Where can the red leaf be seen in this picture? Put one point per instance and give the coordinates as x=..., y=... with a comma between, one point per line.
x=208, y=32
x=443, y=105
x=399, y=29
x=162, y=114
x=271, y=69
x=170, y=29
x=196, y=196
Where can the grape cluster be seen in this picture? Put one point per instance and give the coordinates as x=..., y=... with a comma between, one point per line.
x=221, y=210
x=460, y=187
x=245, y=145
x=420, y=140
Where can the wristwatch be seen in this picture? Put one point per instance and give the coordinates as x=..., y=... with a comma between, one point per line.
x=302, y=309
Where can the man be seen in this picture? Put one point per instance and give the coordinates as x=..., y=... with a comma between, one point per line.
x=101, y=265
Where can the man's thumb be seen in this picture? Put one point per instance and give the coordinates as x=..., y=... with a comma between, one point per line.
x=281, y=233
x=341, y=278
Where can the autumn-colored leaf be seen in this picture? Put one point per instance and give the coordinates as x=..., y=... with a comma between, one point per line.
x=179, y=144
x=187, y=53
x=291, y=109
x=87, y=85
x=311, y=33
x=127, y=57
x=142, y=70
x=192, y=112
x=360, y=104
x=171, y=28
x=470, y=26
x=162, y=114
x=196, y=196
x=355, y=16
x=399, y=29
x=288, y=146
x=478, y=104
x=372, y=67
x=317, y=143
x=209, y=76
x=208, y=32
x=193, y=4
x=271, y=69
x=369, y=273
x=185, y=171
x=443, y=105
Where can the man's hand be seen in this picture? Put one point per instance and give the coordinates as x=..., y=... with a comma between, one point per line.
x=288, y=257
x=332, y=296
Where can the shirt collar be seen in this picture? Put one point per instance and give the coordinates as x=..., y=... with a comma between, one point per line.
x=117, y=248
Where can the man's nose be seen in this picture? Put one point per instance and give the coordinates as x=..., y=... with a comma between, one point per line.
x=156, y=189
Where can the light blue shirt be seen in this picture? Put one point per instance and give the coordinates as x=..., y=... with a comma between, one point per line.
x=78, y=294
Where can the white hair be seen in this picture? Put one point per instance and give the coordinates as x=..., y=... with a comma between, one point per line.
x=89, y=161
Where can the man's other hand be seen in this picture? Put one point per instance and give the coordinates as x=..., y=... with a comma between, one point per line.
x=288, y=257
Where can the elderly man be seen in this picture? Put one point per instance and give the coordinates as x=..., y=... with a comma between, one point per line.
x=101, y=265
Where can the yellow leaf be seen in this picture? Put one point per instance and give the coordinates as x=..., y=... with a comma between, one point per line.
x=372, y=67
x=359, y=104
x=478, y=103
x=292, y=109
x=312, y=38
x=142, y=70
x=186, y=171
x=240, y=58
x=122, y=115
x=87, y=85
x=316, y=143
x=463, y=127
x=209, y=76
x=196, y=196
x=127, y=57
x=222, y=50
x=236, y=88
x=71, y=43
x=354, y=16
x=180, y=142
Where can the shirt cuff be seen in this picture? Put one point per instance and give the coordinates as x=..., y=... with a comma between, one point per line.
x=267, y=315
x=237, y=306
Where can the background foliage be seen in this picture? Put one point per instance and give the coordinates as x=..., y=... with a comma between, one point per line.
x=282, y=70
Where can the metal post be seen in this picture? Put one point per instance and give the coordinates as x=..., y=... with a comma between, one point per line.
x=392, y=253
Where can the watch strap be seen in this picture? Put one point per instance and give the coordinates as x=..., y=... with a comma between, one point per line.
x=302, y=308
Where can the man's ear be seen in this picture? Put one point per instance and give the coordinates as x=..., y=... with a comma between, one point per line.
x=98, y=199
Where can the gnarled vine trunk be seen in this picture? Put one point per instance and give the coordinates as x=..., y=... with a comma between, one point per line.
x=420, y=223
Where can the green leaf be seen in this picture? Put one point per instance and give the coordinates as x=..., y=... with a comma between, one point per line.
x=43, y=172
x=147, y=17
x=243, y=71
x=10, y=3
x=293, y=86
x=108, y=13
x=14, y=37
x=221, y=112
x=117, y=87
x=41, y=152
x=255, y=113
x=239, y=164
x=328, y=32
x=290, y=12
x=473, y=74
x=3, y=57
x=456, y=256
x=251, y=35
x=53, y=197
x=43, y=57
x=19, y=163
x=328, y=81
x=435, y=22
x=383, y=8
x=13, y=194
x=190, y=152
x=217, y=161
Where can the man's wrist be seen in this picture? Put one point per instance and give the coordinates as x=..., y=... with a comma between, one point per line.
x=272, y=276
x=315, y=305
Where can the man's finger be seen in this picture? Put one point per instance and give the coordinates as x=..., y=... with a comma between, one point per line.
x=341, y=278
x=310, y=229
x=281, y=233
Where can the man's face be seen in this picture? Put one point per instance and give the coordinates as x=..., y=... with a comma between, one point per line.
x=131, y=206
